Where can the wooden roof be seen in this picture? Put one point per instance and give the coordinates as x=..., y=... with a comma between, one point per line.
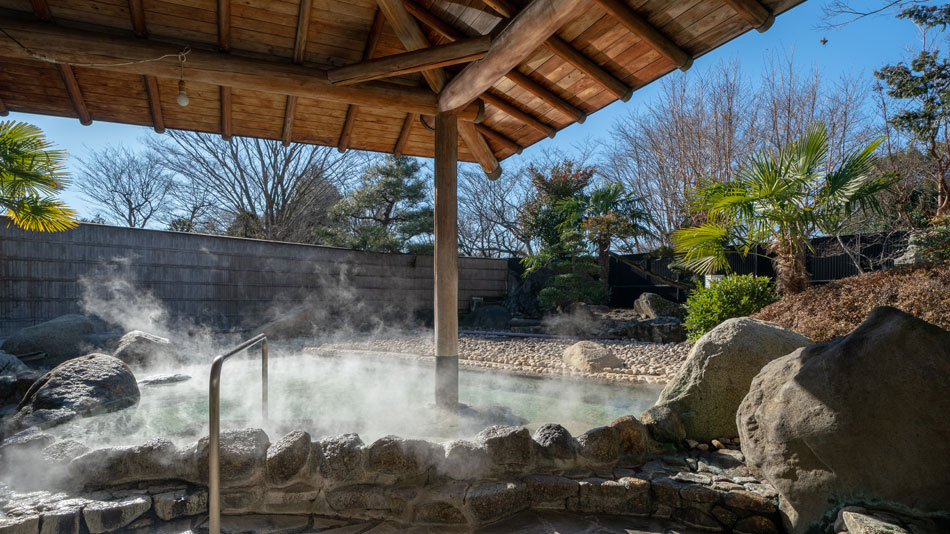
x=606, y=50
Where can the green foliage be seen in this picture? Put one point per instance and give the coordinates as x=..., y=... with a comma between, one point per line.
x=31, y=174
x=542, y=218
x=387, y=212
x=572, y=282
x=733, y=296
x=781, y=199
x=934, y=244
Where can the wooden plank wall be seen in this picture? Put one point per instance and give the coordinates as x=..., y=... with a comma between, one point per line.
x=219, y=281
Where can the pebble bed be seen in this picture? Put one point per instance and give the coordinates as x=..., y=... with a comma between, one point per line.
x=643, y=362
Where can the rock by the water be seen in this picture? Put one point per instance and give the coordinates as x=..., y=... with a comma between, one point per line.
x=859, y=419
x=590, y=357
x=554, y=444
x=10, y=364
x=508, y=447
x=708, y=388
x=61, y=338
x=634, y=438
x=164, y=379
x=137, y=347
x=663, y=424
x=651, y=306
x=662, y=329
x=85, y=386
x=489, y=317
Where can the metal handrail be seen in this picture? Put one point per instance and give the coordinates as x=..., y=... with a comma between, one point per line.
x=214, y=425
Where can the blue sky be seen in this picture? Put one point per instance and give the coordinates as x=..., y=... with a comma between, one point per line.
x=857, y=49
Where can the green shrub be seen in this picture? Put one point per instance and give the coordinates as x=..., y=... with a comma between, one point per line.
x=934, y=244
x=733, y=296
x=572, y=282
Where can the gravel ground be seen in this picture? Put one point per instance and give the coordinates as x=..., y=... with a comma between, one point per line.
x=643, y=362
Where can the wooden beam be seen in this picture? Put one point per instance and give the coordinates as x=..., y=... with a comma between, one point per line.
x=546, y=96
x=369, y=49
x=429, y=19
x=286, y=136
x=517, y=113
x=303, y=28
x=75, y=94
x=642, y=28
x=154, y=103
x=400, y=147
x=499, y=138
x=137, y=16
x=3, y=109
x=344, y=142
x=463, y=51
x=527, y=30
x=227, y=129
x=754, y=13
x=137, y=56
x=502, y=7
x=224, y=25
x=480, y=150
x=608, y=81
x=41, y=10
x=445, y=264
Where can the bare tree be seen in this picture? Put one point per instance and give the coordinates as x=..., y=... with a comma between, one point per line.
x=490, y=214
x=132, y=187
x=269, y=190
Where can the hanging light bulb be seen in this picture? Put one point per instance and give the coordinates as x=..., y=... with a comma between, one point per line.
x=182, y=96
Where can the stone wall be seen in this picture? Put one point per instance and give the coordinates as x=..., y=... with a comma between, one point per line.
x=220, y=281
x=503, y=471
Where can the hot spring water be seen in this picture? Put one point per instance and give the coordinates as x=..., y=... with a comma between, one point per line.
x=328, y=396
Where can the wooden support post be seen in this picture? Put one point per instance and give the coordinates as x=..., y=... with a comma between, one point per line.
x=154, y=103
x=446, y=262
x=75, y=94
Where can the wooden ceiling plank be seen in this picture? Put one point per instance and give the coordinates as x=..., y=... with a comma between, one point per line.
x=502, y=7
x=517, y=113
x=751, y=11
x=137, y=16
x=463, y=51
x=527, y=31
x=75, y=94
x=499, y=138
x=400, y=148
x=642, y=28
x=224, y=25
x=227, y=126
x=137, y=56
x=154, y=103
x=369, y=50
x=431, y=20
x=581, y=62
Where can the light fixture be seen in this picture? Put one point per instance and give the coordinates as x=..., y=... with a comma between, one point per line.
x=182, y=96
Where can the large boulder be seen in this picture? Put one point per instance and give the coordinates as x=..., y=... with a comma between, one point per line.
x=864, y=418
x=11, y=365
x=137, y=347
x=80, y=387
x=651, y=306
x=590, y=357
x=61, y=338
x=658, y=330
x=705, y=393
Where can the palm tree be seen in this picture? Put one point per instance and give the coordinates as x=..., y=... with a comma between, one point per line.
x=30, y=174
x=780, y=199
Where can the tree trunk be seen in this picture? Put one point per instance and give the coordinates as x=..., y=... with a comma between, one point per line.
x=790, y=272
x=943, y=199
x=603, y=259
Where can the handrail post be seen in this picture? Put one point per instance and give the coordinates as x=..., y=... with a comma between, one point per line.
x=214, y=425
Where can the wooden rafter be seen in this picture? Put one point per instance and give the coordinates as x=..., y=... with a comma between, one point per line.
x=369, y=50
x=463, y=51
x=642, y=28
x=548, y=97
x=754, y=13
x=514, y=111
x=450, y=32
x=300, y=48
x=499, y=138
x=137, y=56
x=154, y=103
x=75, y=94
x=137, y=16
x=224, y=25
x=227, y=128
x=400, y=147
x=530, y=28
x=41, y=10
x=412, y=38
x=3, y=109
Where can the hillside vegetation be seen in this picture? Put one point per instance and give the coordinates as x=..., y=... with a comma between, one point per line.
x=834, y=309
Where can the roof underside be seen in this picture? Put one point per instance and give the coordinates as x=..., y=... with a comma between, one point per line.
x=338, y=34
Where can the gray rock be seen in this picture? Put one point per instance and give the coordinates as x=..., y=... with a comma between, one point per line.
x=634, y=439
x=242, y=458
x=61, y=338
x=663, y=424
x=490, y=317
x=555, y=445
x=590, y=357
x=109, y=516
x=490, y=501
x=369, y=500
x=11, y=365
x=651, y=306
x=287, y=457
x=80, y=387
x=440, y=505
x=19, y=524
x=164, y=379
x=816, y=421
x=755, y=524
x=658, y=330
x=181, y=503
x=63, y=452
x=464, y=460
x=342, y=458
x=600, y=446
x=65, y=518
x=27, y=441
x=508, y=447
x=392, y=455
x=708, y=388
x=157, y=459
x=140, y=348
x=550, y=492
x=627, y=496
